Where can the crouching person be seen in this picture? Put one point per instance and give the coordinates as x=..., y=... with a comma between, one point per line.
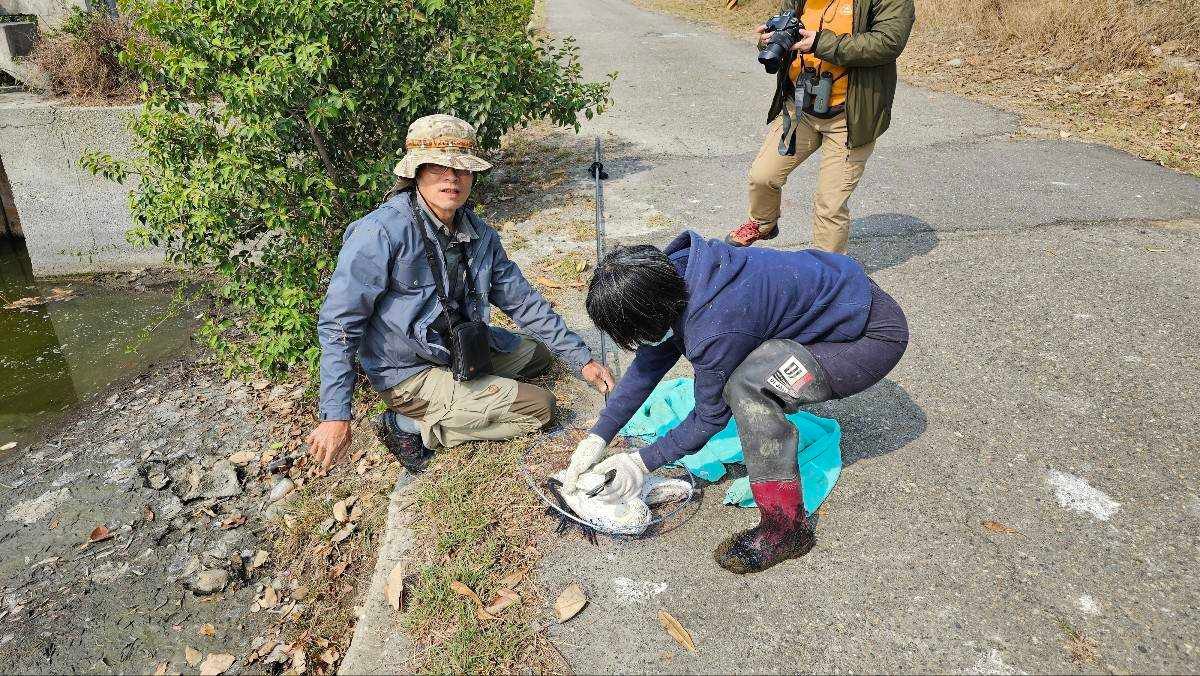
x=411, y=297
x=767, y=332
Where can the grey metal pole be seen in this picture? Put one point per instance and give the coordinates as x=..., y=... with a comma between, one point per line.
x=598, y=173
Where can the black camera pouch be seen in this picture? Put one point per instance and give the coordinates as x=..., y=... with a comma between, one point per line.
x=470, y=353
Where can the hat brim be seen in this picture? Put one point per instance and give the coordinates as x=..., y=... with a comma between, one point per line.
x=407, y=167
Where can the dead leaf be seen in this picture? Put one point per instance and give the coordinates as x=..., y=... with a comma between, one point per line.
x=161, y=670
x=393, y=589
x=676, y=630
x=260, y=557
x=208, y=630
x=269, y=599
x=147, y=513
x=340, y=511
x=548, y=283
x=54, y=523
x=330, y=656
x=300, y=593
x=504, y=599
x=513, y=579
x=463, y=590
x=233, y=521
x=336, y=571
x=192, y=656
x=8, y=447
x=216, y=663
x=98, y=534
x=569, y=602
x=997, y=527
x=242, y=458
x=299, y=662
x=343, y=534
x=260, y=385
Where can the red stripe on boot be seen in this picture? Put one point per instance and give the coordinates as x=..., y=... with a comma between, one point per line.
x=778, y=499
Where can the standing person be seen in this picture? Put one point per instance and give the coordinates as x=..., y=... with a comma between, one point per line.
x=767, y=332
x=856, y=43
x=408, y=274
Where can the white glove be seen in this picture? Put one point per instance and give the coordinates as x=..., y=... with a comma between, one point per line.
x=630, y=477
x=587, y=453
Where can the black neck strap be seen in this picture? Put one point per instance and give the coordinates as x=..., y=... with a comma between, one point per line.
x=436, y=266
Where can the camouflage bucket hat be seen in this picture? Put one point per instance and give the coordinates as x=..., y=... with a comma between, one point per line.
x=440, y=139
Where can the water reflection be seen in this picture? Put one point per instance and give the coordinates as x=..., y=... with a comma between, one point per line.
x=55, y=352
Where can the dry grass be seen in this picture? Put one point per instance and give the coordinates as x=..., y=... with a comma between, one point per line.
x=330, y=571
x=1091, y=34
x=1080, y=649
x=81, y=62
x=478, y=524
x=1107, y=71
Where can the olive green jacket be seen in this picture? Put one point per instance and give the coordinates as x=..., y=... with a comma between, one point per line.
x=881, y=29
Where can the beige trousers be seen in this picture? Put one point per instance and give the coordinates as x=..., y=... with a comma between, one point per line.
x=490, y=407
x=839, y=173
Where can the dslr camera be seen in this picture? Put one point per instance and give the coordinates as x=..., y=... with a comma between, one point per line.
x=785, y=31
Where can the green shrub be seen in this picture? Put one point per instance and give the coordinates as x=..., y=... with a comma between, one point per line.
x=269, y=126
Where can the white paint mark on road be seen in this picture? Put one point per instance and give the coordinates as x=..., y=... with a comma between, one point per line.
x=991, y=663
x=1088, y=605
x=32, y=511
x=637, y=589
x=1075, y=493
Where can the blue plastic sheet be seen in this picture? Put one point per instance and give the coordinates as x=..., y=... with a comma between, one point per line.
x=819, y=451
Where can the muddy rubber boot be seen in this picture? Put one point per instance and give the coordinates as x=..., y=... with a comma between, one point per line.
x=406, y=446
x=781, y=534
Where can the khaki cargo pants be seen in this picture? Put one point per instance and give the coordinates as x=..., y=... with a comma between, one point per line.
x=838, y=175
x=490, y=407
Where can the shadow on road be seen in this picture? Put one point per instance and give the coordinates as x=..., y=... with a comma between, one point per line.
x=882, y=241
x=880, y=420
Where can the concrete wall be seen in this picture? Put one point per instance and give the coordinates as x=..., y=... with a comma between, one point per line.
x=73, y=222
x=49, y=12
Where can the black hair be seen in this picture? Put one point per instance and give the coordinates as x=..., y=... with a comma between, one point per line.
x=636, y=295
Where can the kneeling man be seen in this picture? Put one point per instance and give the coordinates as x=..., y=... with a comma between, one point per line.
x=411, y=297
x=767, y=332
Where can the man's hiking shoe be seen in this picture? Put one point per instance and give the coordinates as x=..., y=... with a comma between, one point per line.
x=406, y=446
x=748, y=233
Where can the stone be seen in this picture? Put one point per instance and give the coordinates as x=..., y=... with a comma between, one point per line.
x=185, y=480
x=221, y=481
x=209, y=581
x=955, y=63
x=280, y=490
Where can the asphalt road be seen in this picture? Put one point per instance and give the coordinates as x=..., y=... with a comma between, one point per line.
x=1052, y=385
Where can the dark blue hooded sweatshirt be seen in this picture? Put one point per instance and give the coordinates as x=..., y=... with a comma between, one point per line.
x=738, y=298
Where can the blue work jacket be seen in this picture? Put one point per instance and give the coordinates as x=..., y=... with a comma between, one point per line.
x=382, y=303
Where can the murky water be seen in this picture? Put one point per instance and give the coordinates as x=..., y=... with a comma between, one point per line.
x=67, y=339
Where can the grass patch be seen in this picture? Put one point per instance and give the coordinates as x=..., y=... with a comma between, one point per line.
x=478, y=524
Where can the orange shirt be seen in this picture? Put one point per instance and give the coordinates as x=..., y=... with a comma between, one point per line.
x=832, y=15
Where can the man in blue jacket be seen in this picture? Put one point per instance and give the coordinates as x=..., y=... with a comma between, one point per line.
x=384, y=305
x=766, y=332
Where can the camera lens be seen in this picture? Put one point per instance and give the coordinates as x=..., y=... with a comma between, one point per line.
x=770, y=57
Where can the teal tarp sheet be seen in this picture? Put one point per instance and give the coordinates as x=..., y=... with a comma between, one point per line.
x=819, y=451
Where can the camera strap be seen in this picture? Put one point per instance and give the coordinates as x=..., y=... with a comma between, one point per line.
x=438, y=266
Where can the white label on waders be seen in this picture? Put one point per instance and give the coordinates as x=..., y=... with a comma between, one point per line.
x=790, y=378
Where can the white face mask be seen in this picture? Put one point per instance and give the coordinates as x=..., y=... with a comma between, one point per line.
x=660, y=341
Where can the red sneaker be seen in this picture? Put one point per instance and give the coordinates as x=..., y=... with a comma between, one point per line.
x=748, y=233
